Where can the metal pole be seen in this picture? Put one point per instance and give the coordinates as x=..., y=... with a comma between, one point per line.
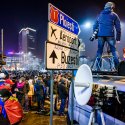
x=72, y=98
x=51, y=100
x=2, y=43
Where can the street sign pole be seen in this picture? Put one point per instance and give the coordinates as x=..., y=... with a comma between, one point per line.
x=62, y=48
x=51, y=99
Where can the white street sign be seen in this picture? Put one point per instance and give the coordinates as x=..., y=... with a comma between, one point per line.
x=62, y=37
x=59, y=57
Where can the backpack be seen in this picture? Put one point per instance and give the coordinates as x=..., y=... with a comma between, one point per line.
x=14, y=110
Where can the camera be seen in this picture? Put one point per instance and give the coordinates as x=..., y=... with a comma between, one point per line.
x=104, y=94
x=94, y=35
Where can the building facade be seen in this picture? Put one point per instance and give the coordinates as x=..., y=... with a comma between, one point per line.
x=14, y=61
x=27, y=40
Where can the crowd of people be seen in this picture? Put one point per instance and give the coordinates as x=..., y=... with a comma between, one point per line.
x=24, y=88
x=33, y=87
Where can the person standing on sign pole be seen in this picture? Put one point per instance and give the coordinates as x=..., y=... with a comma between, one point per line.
x=105, y=23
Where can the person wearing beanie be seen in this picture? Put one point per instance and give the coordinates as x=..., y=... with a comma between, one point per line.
x=109, y=5
x=106, y=22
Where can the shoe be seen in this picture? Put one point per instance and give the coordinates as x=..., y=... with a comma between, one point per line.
x=47, y=114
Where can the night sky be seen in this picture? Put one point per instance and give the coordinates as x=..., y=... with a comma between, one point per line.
x=17, y=14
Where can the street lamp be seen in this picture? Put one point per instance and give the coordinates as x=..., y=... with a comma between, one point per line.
x=87, y=25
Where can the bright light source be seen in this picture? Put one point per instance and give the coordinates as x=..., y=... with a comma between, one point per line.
x=29, y=53
x=87, y=25
x=10, y=53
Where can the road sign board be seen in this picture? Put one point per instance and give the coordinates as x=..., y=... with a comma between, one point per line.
x=62, y=37
x=59, y=57
x=61, y=19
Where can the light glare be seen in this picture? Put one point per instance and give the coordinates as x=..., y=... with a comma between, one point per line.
x=87, y=25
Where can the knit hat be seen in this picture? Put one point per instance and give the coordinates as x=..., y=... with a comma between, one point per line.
x=109, y=5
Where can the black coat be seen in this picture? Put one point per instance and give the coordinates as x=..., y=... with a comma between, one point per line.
x=62, y=91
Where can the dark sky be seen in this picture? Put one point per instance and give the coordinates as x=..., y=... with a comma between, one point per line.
x=16, y=14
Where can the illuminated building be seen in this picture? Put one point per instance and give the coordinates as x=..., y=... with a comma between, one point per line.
x=20, y=61
x=27, y=40
x=14, y=61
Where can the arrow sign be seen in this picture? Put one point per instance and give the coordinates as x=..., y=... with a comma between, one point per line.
x=60, y=57
x=62, y=37
x=53, y=56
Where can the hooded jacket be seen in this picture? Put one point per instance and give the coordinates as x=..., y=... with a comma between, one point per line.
x=106, y=22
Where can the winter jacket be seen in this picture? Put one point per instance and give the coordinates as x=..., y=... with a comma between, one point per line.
x=31, y=90
x=20, y=85
x=38, y=87
x=62, y=91
x=106, y=22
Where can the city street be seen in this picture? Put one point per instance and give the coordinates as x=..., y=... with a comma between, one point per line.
x=43, y=118
x=32, y=118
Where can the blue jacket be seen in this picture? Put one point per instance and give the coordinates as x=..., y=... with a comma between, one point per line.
x=106, y=22
x=38, y=87
x=3, y=109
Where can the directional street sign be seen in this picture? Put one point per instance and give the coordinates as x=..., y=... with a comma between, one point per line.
x=62, y=37
x=61, y=19
x=53, y=56
x=59, y=57
x=63, y=44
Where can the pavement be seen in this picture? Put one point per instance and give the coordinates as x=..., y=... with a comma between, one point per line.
x=33, y=117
